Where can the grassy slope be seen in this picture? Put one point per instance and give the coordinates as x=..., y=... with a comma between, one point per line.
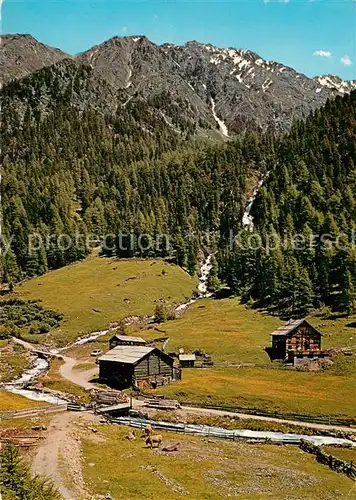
x=223, y=328
x=337, y=332
x=13, y=361
x=206, y=469
x=11, y=402
x=280, y=390
x=102, y=284
x=233, y=332
x=346, y=454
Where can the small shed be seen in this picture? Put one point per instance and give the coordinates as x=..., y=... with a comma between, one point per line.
x=296, y=337
x=117, y=340
x=125, y=366
x=187, y=360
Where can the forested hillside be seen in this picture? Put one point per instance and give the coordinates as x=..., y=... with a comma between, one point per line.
x=81, y=159
x=305, y=219
x=78, y=161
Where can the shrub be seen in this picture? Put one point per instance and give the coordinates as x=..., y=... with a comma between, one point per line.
x=4, y=332
x=16, y=313
x=163, y=313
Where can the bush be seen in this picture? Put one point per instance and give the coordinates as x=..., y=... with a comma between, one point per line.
x=163, y=313
x=160, y=313
x=7, y=331
x=18, y=348
x=16, y=314
x=44, y=328
x=4, y=333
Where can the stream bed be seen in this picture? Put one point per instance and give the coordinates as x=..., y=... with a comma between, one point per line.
x=19, y=385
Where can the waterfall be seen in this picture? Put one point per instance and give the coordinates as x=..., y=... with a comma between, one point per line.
x=204, y=276
x=203, y=284
x=247, y=219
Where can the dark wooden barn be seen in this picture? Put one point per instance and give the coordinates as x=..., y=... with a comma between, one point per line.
x=126, y=366
x=295, y=338
x=117, y=340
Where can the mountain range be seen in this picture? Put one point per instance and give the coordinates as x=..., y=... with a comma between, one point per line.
x=215, y=91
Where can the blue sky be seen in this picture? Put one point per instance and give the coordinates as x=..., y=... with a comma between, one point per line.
x=313, y=36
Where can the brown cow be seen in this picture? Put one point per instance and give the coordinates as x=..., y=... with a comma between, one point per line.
x=172, y=447
x=154, y=439
x=131, y=436
x=148, y=431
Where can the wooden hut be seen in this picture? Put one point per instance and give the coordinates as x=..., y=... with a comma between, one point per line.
x=125, y=366
x=296, y=338
x=187, y=360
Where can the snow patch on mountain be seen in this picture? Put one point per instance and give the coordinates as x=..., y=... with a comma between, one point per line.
x=266, y=85
x=129, y=82
x=333, y=82
x=222, y=126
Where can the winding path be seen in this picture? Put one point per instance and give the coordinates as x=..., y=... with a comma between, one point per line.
x=246, y=416
x=48, y=452
x=76, y=376
x=59, y=455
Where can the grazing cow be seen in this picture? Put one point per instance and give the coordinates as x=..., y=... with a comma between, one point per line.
x=154, y=439
x=148, y=431
x=172, y=447
x=131, y=436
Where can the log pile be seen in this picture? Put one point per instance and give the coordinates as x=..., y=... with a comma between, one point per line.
x=101, y=397
x=162, y=404
x=19, y=438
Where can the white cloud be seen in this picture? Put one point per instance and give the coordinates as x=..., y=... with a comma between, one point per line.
x=322, y=53
x=346, y=61
x=124, y=29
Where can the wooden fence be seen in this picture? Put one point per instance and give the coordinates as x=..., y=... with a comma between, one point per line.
x=221, y=433
x=32, y=412
x=335, y=464
x=205, y=430
x=316, y=419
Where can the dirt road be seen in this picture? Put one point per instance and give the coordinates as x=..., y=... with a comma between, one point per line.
x=244, y=416
x=76, y=376
x=53, y=450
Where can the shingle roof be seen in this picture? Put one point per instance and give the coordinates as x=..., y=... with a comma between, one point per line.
x=291, y=326
x=126, y=354
x=128, y=338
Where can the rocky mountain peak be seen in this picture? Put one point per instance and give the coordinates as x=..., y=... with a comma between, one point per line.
x=22, y=54
x=226, y=89
x=336, y=84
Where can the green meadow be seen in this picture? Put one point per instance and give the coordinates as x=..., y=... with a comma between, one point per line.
x=99, y=291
